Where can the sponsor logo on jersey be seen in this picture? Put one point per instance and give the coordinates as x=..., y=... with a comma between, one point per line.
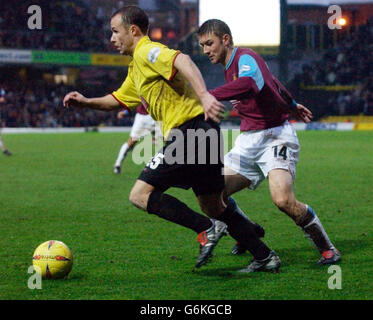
x=245, y=68
x=153, y=54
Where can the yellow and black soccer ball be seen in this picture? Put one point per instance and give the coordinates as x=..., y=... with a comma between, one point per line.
x=53, y=259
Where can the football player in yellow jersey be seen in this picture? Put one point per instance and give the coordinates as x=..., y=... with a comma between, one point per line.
x=172, y=89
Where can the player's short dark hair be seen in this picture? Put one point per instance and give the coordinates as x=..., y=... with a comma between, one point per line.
x=134, y=15
x=217, y=27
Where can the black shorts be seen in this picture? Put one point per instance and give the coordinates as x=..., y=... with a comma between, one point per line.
x=192, y=157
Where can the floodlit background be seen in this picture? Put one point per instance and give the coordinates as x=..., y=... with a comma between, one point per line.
x=252, y=24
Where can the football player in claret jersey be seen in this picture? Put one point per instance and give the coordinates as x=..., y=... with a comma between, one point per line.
x=268, y=145
x=171, y=88
x=143, y=124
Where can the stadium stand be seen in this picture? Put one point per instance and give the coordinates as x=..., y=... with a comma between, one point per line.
x=334, y=81
x=342, y=77
x=33, y=93
x=61, y=30
x=38, y=103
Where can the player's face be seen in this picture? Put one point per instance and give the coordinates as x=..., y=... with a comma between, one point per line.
x=213, y=47
x=121, y=37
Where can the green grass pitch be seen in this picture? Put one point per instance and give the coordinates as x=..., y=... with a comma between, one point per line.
x=61, y=186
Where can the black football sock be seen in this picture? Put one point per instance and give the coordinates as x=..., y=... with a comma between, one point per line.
x=171, y=209
x=257, y=227
x=243, y=232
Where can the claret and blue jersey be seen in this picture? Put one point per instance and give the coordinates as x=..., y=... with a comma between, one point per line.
x=264, y=101
x=247, y=67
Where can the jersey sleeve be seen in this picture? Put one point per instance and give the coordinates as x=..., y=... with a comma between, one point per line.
x=127, y=95
x=249, y=83
x=161, y=60
x=248, y=67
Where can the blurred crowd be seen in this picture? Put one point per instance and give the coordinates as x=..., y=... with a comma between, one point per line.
x=39, y=104
x=76, y=25
x=79, y=25
x=349, y=63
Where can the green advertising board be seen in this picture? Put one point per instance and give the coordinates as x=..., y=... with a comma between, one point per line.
x=61, y=57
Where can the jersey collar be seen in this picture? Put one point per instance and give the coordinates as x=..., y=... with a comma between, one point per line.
x=231, y=59
x=143, y=40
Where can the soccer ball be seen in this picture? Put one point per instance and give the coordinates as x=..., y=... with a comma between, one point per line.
x=52, y=259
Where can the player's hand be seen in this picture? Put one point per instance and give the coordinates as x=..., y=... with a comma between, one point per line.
x=121, y=114
x=214, y=109
x=75, y=99
x=302, y=113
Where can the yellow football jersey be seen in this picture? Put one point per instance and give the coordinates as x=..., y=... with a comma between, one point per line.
x=153, y=81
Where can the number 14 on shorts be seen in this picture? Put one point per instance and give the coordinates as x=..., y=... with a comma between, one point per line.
x=280, y=151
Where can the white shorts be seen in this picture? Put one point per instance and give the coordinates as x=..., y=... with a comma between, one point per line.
x=143, y=125
x=256, y=153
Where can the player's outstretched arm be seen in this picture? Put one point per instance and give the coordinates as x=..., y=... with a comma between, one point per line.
x=302, y=113
x=121, y=114
x=214, y=109
x=77, y=100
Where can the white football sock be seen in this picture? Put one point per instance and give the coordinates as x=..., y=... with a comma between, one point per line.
x=2, y=146
x=122, y=154
x=315, y=232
